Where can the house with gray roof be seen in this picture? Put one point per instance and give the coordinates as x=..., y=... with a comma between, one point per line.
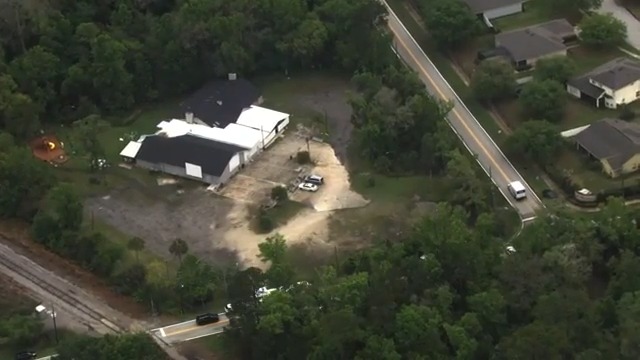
x=493, y=9
x=525, y=46
x=610, y=85
x=613, y=142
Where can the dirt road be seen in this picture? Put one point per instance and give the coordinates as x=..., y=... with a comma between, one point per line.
x=72, y=304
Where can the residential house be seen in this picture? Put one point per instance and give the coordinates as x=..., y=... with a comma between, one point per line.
x=524, y=47
x=493, y=9
x=612, y=84
x=613, y=142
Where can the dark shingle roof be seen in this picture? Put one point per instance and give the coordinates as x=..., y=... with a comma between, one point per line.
x=611, y=139
x=213, y=157
x=586, y=87
x=617, y=73
x=535, y=41
x=480, y=6
x=220, y=102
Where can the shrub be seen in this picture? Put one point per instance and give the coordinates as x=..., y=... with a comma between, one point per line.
x=265, y=222
x=279, y=194
x=627, y=114
x=303, y=157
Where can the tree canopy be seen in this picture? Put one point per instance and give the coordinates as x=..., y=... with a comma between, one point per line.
x=493, y=80
x=543, y=99
x=110, y=347
x=536, y=140
x=450, y=22
x=450, y=290
x=557, y=68
x=63, y=61
x=602, y=30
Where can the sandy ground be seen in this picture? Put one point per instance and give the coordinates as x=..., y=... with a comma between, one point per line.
x=216, y=226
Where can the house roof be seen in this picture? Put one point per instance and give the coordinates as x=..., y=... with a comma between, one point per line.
x=616, y=73
x=131, y=150
x=213, y=157
x=535, y=41
x=480, y=6
x=220, y=102
x=586, y=87
x=234, y=134
x=260, y=118
x=611, y=139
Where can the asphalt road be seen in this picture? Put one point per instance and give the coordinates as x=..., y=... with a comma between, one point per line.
x=188, y=330
x=475, y=138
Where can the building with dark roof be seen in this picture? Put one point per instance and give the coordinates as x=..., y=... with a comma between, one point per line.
x=191, y=157
x=220, y=102
x=615, y=143
x=612, y=84
x=493, y=9
x=524, y=47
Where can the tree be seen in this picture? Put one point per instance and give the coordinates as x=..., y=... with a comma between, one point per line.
x=87, y=130
x=136, y=245
x=602, y=30
x=450, y=23
x=558, y=68
x=279, y=194
x=21, y=330
x=536, y=140
x=128, y=346
x=21, y=116
x=24, y=181
x=543, y=99
x=196, y=280
x=493, y=80
x=65, y=207
x=178, y=248
x=273, y=249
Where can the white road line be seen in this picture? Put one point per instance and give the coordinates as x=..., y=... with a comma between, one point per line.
x=162, y=332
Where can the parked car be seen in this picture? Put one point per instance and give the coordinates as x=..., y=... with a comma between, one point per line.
x=314, y=179
x=305, y=186
x=208, y=318
x=26, y=355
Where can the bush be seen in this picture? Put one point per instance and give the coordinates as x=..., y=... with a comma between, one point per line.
x=627, y=114
x=303, y=157
x=564, y=181
x=279, y=194
x=371, y=181
x=265, y=222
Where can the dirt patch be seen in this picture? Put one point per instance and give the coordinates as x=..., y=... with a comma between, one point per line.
x=196, y=216
x=48, y=148
x=336, y=192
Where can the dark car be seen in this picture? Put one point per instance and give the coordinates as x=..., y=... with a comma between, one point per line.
x=26, y=355
x=207, y=318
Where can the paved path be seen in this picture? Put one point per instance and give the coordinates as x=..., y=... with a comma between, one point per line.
x=188, y=330
x=474, y=137
x=622, y=14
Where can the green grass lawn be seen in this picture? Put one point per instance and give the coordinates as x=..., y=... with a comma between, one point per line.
x=588, y=173
x=532, y=15
x=586, y=59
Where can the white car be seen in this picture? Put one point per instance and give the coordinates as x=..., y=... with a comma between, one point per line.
x=308, y=187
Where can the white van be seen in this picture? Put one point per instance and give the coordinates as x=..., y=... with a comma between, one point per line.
x=517, y=190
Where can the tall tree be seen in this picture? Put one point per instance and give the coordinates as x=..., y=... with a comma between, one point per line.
x=493, y=80
x=602, y=30
x=544, y=100
x=450, y=23
x=136, y=245
x=178, y=248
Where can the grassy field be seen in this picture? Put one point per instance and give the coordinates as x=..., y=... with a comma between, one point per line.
x=588, y=173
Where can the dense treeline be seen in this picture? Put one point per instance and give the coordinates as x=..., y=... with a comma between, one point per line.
x=64, y=60
x=110, y=347
x=571, y=290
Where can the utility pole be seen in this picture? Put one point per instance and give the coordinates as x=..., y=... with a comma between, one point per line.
x=55, y=325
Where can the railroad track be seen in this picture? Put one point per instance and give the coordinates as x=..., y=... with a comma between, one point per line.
x=64, y=296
